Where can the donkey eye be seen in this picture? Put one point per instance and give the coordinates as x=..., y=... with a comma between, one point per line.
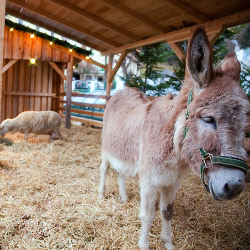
x=209, y=120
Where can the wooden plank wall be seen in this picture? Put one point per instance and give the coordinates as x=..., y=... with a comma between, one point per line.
x=26, y=86
x=20, y=45
x=30, y=87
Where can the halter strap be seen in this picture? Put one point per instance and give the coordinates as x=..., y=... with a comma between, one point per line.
x=190, y=99
x=219, y=160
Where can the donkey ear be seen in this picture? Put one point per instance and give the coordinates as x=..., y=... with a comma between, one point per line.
x=231, y=66
x=199, y=58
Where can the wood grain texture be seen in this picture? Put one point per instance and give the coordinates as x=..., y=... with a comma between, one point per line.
x=87, y=121
x=69, y=92
x=2, y=32
x=20, y=45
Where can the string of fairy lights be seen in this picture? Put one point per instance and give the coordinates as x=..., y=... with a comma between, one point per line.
x=52, y=40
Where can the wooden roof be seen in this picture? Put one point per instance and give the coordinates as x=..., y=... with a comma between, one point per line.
x=111, y=26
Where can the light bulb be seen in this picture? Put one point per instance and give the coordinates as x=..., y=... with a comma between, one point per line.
x=32, y=60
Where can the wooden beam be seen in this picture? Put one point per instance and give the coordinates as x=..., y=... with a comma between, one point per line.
x=22, y=93
x=2, y=26
x=118, y=65
x=79, y=56
x=115, y=5
x=59, y=71
x=55, y=30
x=52, y=17
x=178, y=50
x=109, y=72
x=211, y=27
x=90, y=105
x=214, y=37
x=98, y=20
x=86, y=121
x=188, y=11
x=87, y=95
x=174, y=36
x=9, y=64
x=69, y=92
x=85, y=112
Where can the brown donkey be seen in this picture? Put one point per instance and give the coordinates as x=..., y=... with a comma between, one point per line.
x=159, y=140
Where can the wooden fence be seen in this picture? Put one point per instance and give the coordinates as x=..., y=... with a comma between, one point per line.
x=84, y=112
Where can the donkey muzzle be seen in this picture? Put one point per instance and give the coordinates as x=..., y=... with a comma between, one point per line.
x=226, y=183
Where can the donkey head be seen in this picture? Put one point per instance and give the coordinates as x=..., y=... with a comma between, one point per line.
x=218, y=117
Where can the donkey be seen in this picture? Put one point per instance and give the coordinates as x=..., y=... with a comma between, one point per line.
x=159, y=140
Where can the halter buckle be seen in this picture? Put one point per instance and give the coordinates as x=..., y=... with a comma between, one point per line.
x=208, y=157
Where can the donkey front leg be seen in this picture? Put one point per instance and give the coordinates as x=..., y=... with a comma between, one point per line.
x=167, y=207
x=103, y=170
x=147, y=213
x=122, y=188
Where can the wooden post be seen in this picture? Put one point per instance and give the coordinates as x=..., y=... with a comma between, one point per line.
x=61, y=89
x=109, y=71
x=178, y=51
x=118, y=65
x=69, y=92
x=214, y=37
x=2, y=26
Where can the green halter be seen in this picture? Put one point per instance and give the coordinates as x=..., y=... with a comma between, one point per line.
x=219, y=160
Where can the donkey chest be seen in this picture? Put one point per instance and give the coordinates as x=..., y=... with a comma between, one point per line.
x=165, y=174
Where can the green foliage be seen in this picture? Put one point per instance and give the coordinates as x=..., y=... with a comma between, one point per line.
x=244, y=38
x=150, y=56
x=245, y=79
x=6, y=141
x=152, y=90
x=148, y=59
x=175, y=80
x=219, y=48
x=219, y=52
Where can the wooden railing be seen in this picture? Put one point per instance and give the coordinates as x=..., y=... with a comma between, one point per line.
x=90, y=117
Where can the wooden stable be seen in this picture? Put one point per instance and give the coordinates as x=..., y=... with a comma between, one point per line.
x=109, y=26
x=27, y=86
x=39, y=86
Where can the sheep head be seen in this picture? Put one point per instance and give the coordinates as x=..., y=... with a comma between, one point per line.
x=4, y=127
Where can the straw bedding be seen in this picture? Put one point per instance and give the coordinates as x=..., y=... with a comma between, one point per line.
x=49, y=201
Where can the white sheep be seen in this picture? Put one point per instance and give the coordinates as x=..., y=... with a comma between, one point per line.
x=38, y=122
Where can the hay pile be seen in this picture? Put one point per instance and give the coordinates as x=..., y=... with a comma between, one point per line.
x=49, y=201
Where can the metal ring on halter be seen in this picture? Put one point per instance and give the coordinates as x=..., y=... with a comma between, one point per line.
x=204, y=166
x=209, y=156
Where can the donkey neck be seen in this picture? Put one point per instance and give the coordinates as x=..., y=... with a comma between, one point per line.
x=181, y=113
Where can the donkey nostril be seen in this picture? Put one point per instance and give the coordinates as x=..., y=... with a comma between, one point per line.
x=227, y=190
x=239, y=180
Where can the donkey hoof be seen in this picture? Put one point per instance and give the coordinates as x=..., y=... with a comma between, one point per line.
x=143, y=245
x=167, y=241
x=169, y=246
x=101, y=195
x=123, y=200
